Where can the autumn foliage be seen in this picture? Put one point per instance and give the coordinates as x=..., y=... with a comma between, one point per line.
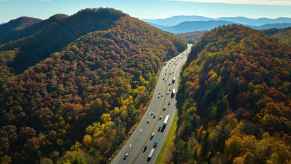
x=234, y=100
x=78, y=104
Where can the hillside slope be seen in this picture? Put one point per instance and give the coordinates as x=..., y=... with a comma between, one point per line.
x=235, y=101
x=283, y=35
x=37, y=42
x=16, y=25
x=79, y=103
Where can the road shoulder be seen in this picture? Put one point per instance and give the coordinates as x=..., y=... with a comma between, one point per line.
x=168, y=148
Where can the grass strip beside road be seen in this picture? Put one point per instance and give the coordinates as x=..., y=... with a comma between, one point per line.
x=168, y=148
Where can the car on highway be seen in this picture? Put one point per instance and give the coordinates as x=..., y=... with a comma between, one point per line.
x=155, y=144
x=152, y=136
x=125, y=156
x=159, y=129
x=145, y=149
x=148, y=121
x=174, y=80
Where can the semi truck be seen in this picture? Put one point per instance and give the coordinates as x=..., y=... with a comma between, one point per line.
x=173, y=93
x=165, y=122
x=150, y=156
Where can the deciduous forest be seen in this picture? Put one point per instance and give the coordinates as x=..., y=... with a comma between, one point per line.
x=234, y=101
x=78, y=104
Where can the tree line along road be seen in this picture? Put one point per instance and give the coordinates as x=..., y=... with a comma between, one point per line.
x=145, y=143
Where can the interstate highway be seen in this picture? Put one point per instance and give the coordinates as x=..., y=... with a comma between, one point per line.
x=132, y=152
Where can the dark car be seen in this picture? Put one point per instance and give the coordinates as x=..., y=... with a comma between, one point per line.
x=152, y=136
x=145, y=148
x=155, y=145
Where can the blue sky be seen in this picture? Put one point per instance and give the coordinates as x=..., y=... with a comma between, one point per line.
x=10, y=9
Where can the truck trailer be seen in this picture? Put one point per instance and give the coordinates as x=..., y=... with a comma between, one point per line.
x=165, y=122
x=150, y=156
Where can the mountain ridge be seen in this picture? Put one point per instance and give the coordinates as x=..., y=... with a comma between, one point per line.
x=240, y=20
x=234, y=100
x=178, y=25
x=79, y=103
x=193, y=26
x=36, y=42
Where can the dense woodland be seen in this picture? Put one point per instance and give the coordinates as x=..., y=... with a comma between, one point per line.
x=78, y=104
x=235, y=99
x=283, y=35
x=17, y=25
x=39, y=40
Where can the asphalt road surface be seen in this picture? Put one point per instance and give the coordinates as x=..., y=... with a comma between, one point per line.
x=163, y=103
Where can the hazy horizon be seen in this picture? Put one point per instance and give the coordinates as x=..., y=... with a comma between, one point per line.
x=158, y=9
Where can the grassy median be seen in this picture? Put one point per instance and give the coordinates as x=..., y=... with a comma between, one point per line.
x=167, y=149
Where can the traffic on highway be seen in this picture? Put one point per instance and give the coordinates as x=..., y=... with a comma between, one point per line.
x=146, y=141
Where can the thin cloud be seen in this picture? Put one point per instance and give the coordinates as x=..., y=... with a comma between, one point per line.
x=250, y=2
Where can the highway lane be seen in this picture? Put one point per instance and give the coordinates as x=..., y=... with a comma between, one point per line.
x=134, y=146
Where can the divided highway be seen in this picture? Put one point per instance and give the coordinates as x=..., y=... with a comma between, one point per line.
x=146, y=141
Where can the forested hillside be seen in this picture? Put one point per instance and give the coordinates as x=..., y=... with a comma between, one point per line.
x=38, y=41
x=283, y=35
x=235, y=100
x=16, y=25
x=78, y=105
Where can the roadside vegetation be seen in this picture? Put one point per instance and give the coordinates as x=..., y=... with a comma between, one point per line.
x=166, y=153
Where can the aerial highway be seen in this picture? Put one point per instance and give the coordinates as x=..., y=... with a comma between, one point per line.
x=146, y=141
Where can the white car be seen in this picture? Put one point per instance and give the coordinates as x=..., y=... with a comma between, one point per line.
x=125, y=156
x=152, y=136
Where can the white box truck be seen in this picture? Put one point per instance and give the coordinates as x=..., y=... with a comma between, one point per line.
x=150, y=156
x=165, y=122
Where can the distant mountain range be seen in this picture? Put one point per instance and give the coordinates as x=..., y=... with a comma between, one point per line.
x=195, y=26
x=175, y=20
x=182, y=24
